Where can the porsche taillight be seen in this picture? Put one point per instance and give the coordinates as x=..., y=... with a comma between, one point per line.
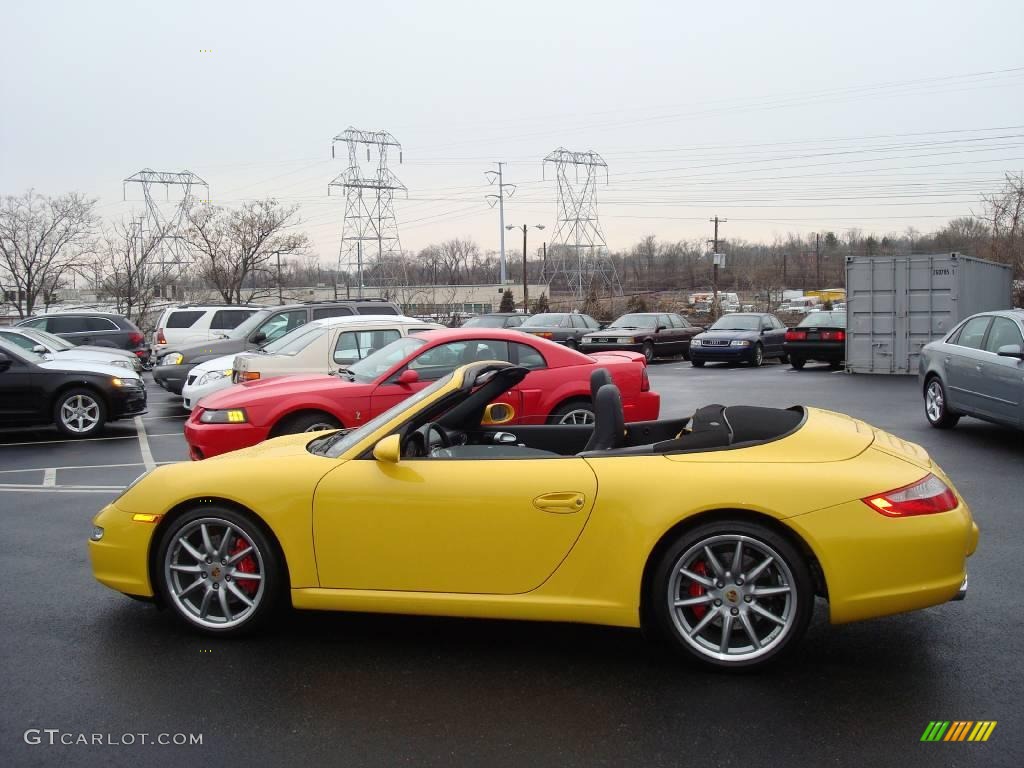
x=792, y=335
x=927, y=496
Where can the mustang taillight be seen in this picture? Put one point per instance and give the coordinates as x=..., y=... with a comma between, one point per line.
x=792, y=335
x=833, y=335
x=645, y=381
x=925, y=497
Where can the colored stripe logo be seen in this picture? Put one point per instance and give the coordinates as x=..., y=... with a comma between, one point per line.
x=958, y=730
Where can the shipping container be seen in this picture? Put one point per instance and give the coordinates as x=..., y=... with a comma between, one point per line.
x=897, y=304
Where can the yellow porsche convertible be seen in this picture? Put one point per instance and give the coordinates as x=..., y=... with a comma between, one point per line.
x=687, y=526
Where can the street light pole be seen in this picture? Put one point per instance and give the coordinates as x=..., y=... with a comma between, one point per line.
x=526, y=294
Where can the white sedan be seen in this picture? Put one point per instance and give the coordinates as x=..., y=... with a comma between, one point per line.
x=322, y=346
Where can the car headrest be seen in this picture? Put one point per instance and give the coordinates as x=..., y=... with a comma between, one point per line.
x=598, y=378
x=609, y=420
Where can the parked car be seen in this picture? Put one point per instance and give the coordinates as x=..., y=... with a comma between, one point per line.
x=654, y=334
x=186, y=324
x=496, y=320
x=716, y=533
x=748, y=337
x=99, y=329
x=566, y=328
x=321, y=346
x=262, y=326
x=556, y=391
x=43, y=342
x=76, y=396
x=977, y=370
x=820, y=336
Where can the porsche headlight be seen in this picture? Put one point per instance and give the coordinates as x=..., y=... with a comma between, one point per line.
x=228, y=416
x=739, y=343
x=211, y=376
x=174, y=358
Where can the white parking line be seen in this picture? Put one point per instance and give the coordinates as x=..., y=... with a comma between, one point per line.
x=147, y=455
x=15, y=488
x=50, y=477
x=80, y=466
x=75, y=440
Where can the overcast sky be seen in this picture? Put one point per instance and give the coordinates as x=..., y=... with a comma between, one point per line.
x=781, y=116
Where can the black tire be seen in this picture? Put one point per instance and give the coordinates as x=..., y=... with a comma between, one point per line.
x=686, y=354
x=797, y=362
x=784, y=358
x=697, y=363
x=572, y=343
x=93, y=410
x=757, y=357
x=795, y=608
x=573, y=409
x=835, y=365
x=648, y=350
x=311, y=421
x=264, y=560
x=935, y=408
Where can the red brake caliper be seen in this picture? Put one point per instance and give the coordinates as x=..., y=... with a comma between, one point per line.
x=696, y=590
x=246, y=565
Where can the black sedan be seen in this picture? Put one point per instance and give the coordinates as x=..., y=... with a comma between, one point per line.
x=742, y=337
x=563, y=327
x=656, y=334
x=76, y=396
x=820, y=336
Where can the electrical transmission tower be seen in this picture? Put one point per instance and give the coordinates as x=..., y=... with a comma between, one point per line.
x=370, y=249
x=579, y=252
x=159, y=235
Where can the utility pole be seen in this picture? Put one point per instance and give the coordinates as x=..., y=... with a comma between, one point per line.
x=524, y=227
x=280, y=297
x=714, y=266
x=500, y=200
x=817, y=261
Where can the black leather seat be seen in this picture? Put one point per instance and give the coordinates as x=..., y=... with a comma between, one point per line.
x=609, y=422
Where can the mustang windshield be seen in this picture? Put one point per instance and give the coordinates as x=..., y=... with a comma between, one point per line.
x=828, y=319
x=737, y=323
x=634, y=321
x=337, y=443
x=372, y=366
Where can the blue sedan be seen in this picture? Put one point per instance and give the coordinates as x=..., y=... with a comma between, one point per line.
x=977, y=369
x=747, y=337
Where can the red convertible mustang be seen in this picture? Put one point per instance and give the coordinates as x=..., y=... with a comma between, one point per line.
x=556, y=391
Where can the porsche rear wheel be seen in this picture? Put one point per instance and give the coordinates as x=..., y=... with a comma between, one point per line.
x=732, y=594
x=218, y=570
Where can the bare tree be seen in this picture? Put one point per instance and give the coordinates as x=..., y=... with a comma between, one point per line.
x=1004, y=212
x=41, y=240
x=128, y=274
x=234, y=246
x=455, y=256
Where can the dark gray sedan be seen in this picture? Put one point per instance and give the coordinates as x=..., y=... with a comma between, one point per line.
x=976, y=370
x=563, y=327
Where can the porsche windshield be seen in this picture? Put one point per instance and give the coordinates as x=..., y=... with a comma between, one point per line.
x=338, y=442
x=369, y=368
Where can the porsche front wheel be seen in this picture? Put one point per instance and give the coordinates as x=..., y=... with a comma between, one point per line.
x=218, y=570
x=732, y=594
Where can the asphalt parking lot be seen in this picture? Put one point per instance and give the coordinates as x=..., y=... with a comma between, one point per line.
x=378, y=690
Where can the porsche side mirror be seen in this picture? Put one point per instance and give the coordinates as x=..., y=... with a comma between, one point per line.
x=1011, y=350
x=5, y=362
x=408, y=376
x=388, y=450
x=498, y=413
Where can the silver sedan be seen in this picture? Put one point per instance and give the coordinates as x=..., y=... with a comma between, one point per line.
x=976, y=370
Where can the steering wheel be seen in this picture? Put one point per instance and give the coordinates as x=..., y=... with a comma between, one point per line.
x=433, y=426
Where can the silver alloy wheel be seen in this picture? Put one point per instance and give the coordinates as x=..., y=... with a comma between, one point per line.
x=80, y=414
x=320, y=427
x=209, y=570
x=577, y=416
x=732, y=597
x=934, y=402
x=758, y=355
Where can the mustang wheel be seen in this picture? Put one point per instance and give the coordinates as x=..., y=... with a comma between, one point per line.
x=80, y=413
x=732, y=594
x=306, y=422
x=573, y=412
x=218, y=570
x=935, y=407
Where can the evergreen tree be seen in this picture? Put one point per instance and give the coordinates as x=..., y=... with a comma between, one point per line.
x=508, y=303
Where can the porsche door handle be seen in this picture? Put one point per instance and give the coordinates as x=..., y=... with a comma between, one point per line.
x=562, y=502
